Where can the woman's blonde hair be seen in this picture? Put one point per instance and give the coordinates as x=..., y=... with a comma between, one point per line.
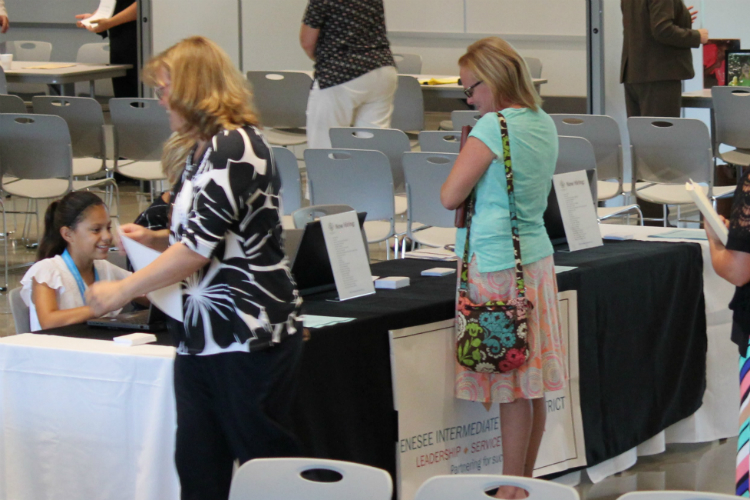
x=206, y=90
x=494, y=62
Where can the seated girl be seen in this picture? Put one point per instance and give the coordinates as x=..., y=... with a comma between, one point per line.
x=77, y=237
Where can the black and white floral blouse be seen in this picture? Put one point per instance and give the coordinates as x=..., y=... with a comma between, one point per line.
x=227, y=209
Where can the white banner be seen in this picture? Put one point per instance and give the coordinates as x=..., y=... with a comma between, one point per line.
x=439, y=434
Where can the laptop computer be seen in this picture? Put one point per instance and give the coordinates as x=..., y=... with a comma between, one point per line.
x=146, y=320
x=306, y=250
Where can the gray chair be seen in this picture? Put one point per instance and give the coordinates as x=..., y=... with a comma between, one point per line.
x=675, y=495
x=459, y=118
x=141, y=127
x=731, y=109
x=604, y=135
x=475, y=486
x=291, y=184
x=667, y=152
x=281, y=99
x=28, y=50
x=440, y=141
x=285, y=478
x=3, y=82
x=535, y=66
x=577, y=153
x=85, y=121
x=427, y=221
x=392, y=142
x=37, y=151
x=94, y=53
x=408, y=105
x=12, y=104
x=408, y=64
x=360, y=179
x=303, y=216
x=20, y=311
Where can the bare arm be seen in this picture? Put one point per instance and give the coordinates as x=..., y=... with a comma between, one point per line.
x=175, y=264
x=731, y=265
x=48, y=311
x=308, y=39
x=158, y=240
x=470, y=166
x=130, y=13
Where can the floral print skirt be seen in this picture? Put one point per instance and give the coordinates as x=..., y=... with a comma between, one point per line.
x=544, y=371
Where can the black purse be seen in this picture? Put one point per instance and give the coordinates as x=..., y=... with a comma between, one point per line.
x=493, y=337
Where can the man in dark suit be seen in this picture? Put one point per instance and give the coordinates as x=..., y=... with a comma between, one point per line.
x=656, y=55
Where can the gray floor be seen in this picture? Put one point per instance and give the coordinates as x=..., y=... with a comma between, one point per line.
x=701, y=467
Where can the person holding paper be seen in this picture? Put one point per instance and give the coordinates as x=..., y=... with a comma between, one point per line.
x=4, y=21
x=241, y=339
x=71, y=258
x=732, y=262
x=496, y=79
x=123, y=43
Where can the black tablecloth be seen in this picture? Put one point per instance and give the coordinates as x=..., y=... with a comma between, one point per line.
x=642, y=350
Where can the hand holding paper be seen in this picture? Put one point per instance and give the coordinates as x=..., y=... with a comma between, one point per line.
x=712, y=219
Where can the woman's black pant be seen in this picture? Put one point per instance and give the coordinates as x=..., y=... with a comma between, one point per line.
x=232, y=406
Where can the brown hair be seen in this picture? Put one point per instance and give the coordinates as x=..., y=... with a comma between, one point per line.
x=207, y=91
x=496, y=63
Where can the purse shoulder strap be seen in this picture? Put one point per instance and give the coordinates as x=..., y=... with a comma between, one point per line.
x=513, y=216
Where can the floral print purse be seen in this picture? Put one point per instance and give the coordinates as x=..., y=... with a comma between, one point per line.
x=493, y=337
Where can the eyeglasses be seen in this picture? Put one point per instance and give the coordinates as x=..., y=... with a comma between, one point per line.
x=470, y=91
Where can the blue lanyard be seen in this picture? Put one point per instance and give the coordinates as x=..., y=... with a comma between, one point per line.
x=76, y=274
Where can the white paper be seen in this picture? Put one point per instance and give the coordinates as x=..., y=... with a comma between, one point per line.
x=577, y=210
x=428, y=253
x=707, y=209
x=169, y=298
x=105, y=11
x=314, y=321
x=346, y=250
x=133, y=339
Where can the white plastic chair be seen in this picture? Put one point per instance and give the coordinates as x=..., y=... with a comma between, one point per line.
x=12, y=104
x=440, y=141
x=427, y=221
x=459, y=118
x=281, y=100
x=731, y=109
x=408, y=105
x=408, y=64
x=604, y=135
x=20, y=311
x=393, y=143
x=535, y=66
x=291, y=184
x=675, y=495
x=28, y=50
x=667, y=152
x=37, y=151
x=577, y=153
x=475, y=486
x=283, y=479
x=94, y=53
x=360, y=179
x=141, y=127
x=85, y=121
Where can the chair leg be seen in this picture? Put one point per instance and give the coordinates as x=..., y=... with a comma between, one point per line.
x=664, y=214
x=5, y=247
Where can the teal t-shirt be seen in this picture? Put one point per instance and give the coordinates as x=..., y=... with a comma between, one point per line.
x=533, y=151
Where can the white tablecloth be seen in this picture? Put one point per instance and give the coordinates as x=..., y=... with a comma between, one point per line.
x=718, y=417
x=85, y=419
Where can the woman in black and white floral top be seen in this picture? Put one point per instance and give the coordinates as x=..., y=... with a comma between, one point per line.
x=240, y=341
